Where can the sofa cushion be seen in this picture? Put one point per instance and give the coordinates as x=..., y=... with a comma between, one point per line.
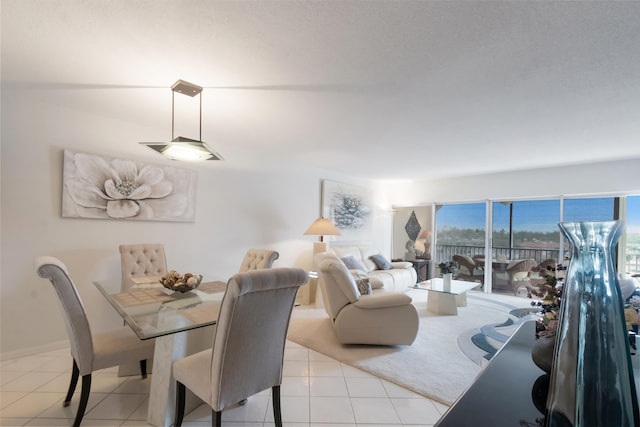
x=352, y=263
x=381, y=262
x=364, y=285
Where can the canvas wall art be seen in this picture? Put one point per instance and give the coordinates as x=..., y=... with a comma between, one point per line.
x=350, y=209
x=100, y=187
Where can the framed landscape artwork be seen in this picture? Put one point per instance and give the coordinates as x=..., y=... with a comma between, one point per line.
x=350, y=209
x=100, y=187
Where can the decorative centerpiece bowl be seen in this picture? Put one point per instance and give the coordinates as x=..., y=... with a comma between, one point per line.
x=175, y=281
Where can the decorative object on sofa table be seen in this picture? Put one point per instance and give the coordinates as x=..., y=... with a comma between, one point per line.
x=592, y=381
x=175, y=281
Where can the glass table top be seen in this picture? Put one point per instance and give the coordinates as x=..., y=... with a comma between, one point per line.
x=153, y=311
x=437, y=285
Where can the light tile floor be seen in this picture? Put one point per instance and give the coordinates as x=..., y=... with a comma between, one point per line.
x=316, y=391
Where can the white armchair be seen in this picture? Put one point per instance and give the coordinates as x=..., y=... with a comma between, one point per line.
x=384, y=318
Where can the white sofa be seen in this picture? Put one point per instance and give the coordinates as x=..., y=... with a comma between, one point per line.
x=399, y=277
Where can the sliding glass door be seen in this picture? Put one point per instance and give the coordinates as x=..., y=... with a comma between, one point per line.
x=460, y=230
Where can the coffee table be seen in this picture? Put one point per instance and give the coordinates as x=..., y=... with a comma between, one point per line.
x=440, y=301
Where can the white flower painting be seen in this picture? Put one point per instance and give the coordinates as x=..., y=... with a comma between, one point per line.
x=100, y=187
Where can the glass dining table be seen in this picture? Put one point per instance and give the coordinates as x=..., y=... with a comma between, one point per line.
x=181, y=323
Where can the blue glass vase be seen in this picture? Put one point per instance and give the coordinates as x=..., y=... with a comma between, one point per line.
x=592, y=381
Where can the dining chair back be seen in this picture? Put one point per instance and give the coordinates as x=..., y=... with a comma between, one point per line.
x=248, y=346
x=90, y=351
x=146, y=259
x=256, y=259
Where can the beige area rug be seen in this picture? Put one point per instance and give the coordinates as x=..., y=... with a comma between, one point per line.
x=434, y=365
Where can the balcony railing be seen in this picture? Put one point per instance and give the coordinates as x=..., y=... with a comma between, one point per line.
x=446, y=253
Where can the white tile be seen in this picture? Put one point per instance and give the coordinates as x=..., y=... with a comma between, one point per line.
x=414, y=411
x=314, y=355
x=200, y=414
x=140, y=414
x=350, y=371
x=9, y=397
x=58, y=364
x=295, y=368
x=30, y=381
x=69, y=412
x=328, y=386
x=134, y=385
x=394, y=390
x=253, y=411
x=374, y=410
x=332, y=425
x=442, y=408
x=14, y=422
x=294, y=353
x=294, y=409
x=325, y=369
x=51, y=422
x=331, y=410
x=294, y=386
x=8, y=376
x=59, y=384
x=116, y=407
x=365, y=387
x=105, y=382
x=32, y=405
x=26, y=364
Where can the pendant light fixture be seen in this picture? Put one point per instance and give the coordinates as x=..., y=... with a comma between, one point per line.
x=181, y=148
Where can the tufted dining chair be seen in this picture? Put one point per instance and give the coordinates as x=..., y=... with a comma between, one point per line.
x=256, y=259
x=248, y=346
x=90, y=352
x=147, y=259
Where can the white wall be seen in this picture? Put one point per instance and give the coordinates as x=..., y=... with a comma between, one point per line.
x=235, y=209
x=610, y=177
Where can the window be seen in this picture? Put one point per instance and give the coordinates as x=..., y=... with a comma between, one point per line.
x=460, y=229
x=632, y=249
x=526, y=230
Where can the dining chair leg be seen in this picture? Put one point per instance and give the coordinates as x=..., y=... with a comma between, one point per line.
x=84, y=398
x=216, y=418
x=277, y=413
x=180, y=396
x=143, y=368
x=75, y=373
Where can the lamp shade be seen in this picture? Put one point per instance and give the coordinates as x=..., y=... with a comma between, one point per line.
x=426, y=235
x=322, y=227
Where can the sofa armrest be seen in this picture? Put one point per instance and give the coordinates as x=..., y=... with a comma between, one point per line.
x=383, y=300
x=401, y=264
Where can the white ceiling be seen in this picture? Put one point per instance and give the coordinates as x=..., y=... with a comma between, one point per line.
x=375, y=89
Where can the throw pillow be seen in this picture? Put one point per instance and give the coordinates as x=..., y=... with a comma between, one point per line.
x=381, y=262
x=364, y=285
x=352, y=263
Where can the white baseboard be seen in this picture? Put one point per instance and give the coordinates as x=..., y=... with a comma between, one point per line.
x=34, y=350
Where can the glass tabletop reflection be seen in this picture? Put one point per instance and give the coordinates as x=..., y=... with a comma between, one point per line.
x=153, y=311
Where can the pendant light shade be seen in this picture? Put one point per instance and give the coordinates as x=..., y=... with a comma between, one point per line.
x=181, y=148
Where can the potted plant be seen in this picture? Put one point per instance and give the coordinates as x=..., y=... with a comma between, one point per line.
x=550, y=297
x=447, y=269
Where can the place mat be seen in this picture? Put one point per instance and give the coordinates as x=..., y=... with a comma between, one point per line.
x=155, y=278
x=202, y=313
x=212, y=287
x=144, y=296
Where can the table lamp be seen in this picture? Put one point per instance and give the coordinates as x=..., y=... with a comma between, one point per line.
x=321, y=227
x=426, y=238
